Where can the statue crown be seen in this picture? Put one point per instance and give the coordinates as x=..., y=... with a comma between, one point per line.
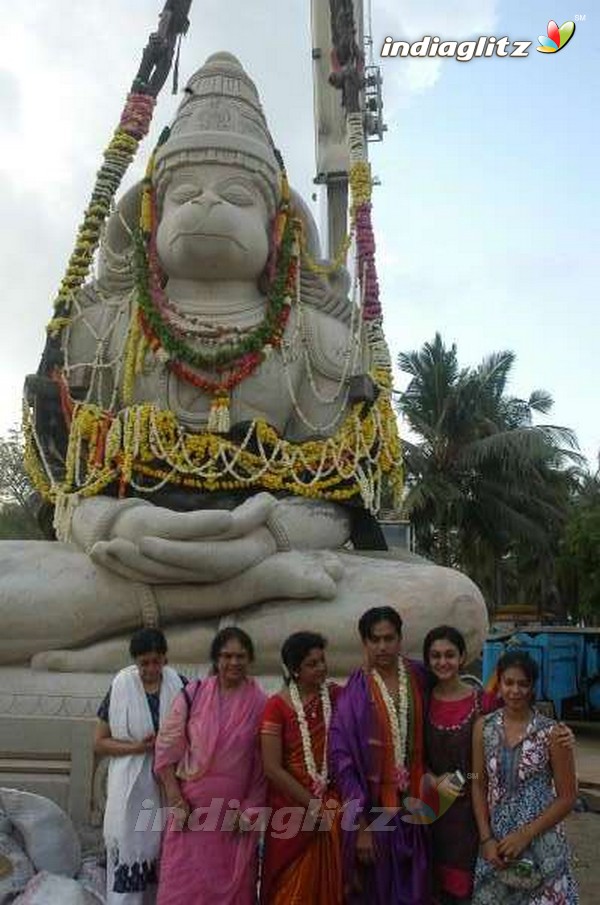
x=221, y=120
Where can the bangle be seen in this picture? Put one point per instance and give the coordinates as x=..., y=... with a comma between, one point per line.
x=486, y=840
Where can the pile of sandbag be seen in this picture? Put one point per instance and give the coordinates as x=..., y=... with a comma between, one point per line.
x=40, y=855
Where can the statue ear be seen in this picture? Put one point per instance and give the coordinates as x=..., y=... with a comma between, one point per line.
x=328, y=292
x=125, y=219
x=116, y=249
x=312, y=240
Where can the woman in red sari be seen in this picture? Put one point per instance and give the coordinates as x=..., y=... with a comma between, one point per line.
x=305, y=865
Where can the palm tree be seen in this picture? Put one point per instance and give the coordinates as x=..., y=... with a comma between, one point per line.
x=482, y=480
x=579, y=562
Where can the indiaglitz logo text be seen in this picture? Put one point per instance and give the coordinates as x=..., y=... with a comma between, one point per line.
x=463, y=51
x=484, y=46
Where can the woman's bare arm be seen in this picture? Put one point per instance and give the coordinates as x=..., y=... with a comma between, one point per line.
x=489, y=844
x=562, y=762
x=272, y=755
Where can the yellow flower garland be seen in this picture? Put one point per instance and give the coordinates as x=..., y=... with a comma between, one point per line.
x=143, y=441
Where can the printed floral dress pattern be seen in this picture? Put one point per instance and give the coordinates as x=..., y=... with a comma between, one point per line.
x=520, y=788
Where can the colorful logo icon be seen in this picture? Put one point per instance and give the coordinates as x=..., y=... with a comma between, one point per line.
x=433, y=802
x=557, y=37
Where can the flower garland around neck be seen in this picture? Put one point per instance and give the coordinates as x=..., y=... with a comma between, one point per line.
x=319, y=779
x=232, y=360
x=398, y=720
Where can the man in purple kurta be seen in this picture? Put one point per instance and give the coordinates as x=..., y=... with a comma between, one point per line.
x=387, y=862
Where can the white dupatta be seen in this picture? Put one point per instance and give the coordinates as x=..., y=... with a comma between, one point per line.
x=131, y=782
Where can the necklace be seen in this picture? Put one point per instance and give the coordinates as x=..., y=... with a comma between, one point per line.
x=157, y=310
x=319, y=779
x=456, y=726
x=232, y=357
x=398, y=721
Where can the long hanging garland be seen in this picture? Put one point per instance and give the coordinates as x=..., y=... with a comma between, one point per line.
x=142, y=448
x=133, y=127
x=348, y=76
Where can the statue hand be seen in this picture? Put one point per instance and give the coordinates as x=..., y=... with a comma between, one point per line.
x=156, y=545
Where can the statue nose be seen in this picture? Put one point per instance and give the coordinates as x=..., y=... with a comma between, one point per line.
x=207, y=199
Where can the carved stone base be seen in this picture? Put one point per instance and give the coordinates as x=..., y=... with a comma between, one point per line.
x=46, y=736
x=46, y=739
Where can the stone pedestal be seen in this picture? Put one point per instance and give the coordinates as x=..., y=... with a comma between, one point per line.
x=46, y=737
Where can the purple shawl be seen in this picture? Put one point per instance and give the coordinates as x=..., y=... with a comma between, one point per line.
x=401, y=871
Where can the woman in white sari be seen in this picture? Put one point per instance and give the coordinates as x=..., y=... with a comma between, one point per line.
x=129, y=717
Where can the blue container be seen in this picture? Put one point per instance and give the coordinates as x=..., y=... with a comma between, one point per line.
x=592, y=655
x=492, y=651
x=560, y=657
x=594, y=695
x=563, y=665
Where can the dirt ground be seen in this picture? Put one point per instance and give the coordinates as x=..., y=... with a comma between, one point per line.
x=583, y=831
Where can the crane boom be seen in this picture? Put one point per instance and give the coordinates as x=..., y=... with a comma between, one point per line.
x=331, y=148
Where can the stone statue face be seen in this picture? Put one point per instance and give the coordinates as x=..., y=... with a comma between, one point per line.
x=214, y=224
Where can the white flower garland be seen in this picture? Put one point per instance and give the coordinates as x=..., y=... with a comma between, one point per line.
x=398, y=720
x=319, y=778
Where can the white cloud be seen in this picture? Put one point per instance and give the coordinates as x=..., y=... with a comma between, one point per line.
x=448, y=19
x=65, y=70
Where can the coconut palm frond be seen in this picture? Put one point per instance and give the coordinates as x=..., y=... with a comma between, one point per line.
x=540, y=401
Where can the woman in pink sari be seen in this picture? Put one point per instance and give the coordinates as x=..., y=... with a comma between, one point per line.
x=207, y=757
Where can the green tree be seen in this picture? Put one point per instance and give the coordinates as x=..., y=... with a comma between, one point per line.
x=18, y=501
x=487, y=490
x=580, y=552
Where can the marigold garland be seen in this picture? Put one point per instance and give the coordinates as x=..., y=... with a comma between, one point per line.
x=133, y=126
x=244, y=355
x=143, y=448
x=146, y=446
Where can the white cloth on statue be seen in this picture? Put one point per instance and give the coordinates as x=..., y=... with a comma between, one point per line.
x=131, y=852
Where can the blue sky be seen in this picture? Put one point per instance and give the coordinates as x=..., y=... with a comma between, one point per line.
x=495, y=235
x=487, y=214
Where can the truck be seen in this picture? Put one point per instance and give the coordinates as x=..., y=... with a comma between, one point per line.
x=568, y=658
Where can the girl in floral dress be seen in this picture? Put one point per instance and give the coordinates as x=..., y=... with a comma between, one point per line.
x=524, y=786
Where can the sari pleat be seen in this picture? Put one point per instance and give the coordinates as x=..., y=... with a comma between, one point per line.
x=307, y=866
